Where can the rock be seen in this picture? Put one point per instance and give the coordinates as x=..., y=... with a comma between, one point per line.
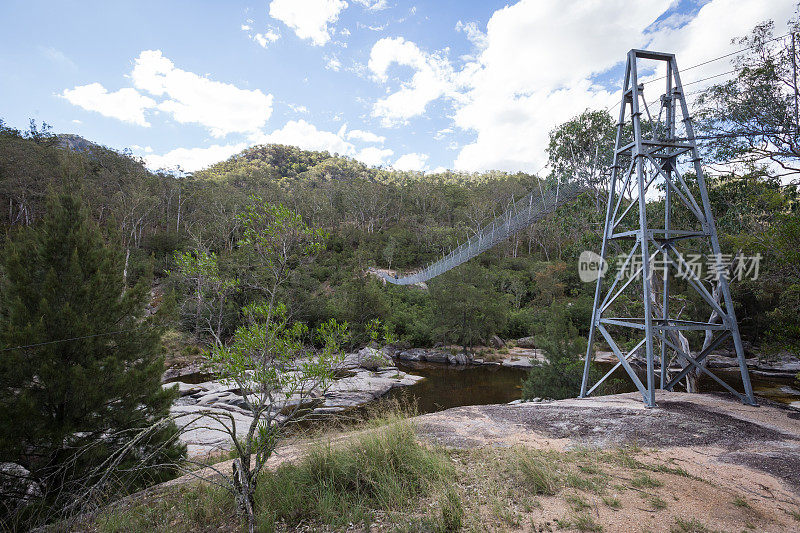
x=514, y=402
x=526, y=342
x=172, y=373
x=17, y=486
x=372, y=359
x=185, y=389
x=437, y=357
x=356, y=388
x=413, y=354
x=514, y=362
x=459, y=358
x=496, y=342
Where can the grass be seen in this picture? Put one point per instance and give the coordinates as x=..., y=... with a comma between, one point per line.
x=657, y=503
x=578, y=503
x=738, y=501
x=691, y=525
x=644, y=481
x=612, y=502
x=581, y=522
x=385, y=469
x=538, y=474
x=189, y=509
x=382, y=478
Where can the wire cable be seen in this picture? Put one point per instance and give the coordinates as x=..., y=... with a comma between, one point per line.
x=67, y=340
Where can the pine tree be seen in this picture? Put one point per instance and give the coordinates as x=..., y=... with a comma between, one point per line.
x=67, y=405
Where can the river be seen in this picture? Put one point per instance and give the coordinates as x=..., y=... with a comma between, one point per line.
x=448, y=386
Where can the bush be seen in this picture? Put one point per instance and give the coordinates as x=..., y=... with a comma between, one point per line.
x=560, y=376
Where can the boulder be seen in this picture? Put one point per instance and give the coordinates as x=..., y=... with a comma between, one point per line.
x=459, y=358
x=526, y=342
x=496, y=342
x=372, y=359
x=185, y=389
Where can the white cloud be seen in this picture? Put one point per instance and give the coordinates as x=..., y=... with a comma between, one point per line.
x=58, y=57
x=145, y=149
x=333, y=63
x=308, y=18
x=373, y=5
x=534, y=74
x=473, y=33
x=221, y=107
x=246, y=27
x=540, y=58
x=298, y=108
x=374, y=156
x=366, y=136
x=307, y=136
x=264, y=39
x=192, y=159
x=413, y=161
x=125, y=104
x=433, y=78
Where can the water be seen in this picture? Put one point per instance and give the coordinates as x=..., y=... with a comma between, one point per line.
x=449, y=386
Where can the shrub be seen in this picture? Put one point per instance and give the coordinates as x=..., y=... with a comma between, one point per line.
x=560, y=376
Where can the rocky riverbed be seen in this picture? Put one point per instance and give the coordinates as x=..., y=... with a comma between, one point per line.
x=363, y=376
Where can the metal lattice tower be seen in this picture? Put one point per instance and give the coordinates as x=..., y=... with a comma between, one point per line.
x=651, y=151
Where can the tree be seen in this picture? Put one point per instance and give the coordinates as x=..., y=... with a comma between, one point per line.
x=87, y=376
x=582, y=150
x=560, y=375
x=268, y=359
x=753, y=118
x=210, y=291
x=465, y=306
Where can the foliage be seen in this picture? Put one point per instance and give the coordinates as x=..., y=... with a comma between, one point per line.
x=208, y=306
x=268, y=358
x=752, y=118
x=560, y=376
x=466, y=307
x=69, y=408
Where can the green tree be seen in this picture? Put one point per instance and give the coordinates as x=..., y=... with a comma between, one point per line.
x=560, y=375
x=67, y=406
x=582, y=150
x=466, y=308
x=268, y=358
x=753, y=117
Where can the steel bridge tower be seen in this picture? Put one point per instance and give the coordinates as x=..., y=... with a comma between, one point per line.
x=655, y=151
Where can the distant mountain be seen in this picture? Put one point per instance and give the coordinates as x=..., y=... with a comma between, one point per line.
x=76, y=143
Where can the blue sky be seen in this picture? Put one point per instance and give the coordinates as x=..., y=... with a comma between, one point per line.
x=470, y=85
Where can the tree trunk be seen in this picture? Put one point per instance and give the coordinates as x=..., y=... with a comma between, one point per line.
x=244, y=496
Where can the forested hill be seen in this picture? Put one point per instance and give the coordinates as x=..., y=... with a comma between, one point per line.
x=281, y=163
x=389, y=219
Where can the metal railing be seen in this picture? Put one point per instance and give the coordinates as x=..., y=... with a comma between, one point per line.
x=518, y=217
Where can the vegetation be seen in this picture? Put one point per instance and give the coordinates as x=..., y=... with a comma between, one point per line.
x=69, y=410
x=560, y=374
